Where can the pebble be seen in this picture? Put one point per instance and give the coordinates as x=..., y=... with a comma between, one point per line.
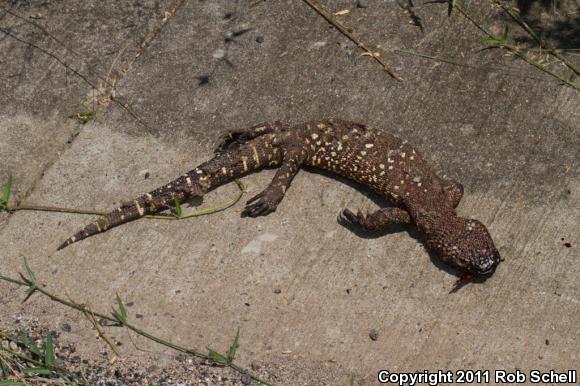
x=219, y=54
x=318, y=44
x=66, y=327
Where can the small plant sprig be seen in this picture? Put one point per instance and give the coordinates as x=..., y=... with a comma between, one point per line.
x=501, y=69
x=119, y=316
x=501, y=41
x=34, y=361
x=515, y=15
x=177, y=212
x=6, y=194
x=83, y=117
x=229, y=358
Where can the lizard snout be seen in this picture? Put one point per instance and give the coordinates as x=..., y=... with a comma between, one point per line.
x=487, y=264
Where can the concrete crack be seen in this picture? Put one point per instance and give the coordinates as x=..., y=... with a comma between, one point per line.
x=145, y=42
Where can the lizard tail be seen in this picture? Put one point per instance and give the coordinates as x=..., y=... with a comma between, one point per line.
x=225, y=166
x=188, y=185
x=119, y=216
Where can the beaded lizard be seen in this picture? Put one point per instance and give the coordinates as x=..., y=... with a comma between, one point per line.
x=386, y=164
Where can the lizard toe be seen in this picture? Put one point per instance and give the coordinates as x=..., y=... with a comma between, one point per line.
x=259, y=208
x=349, y=217
x=255, y=198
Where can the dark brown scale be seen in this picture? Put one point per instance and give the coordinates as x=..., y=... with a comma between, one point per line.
x=382, y=162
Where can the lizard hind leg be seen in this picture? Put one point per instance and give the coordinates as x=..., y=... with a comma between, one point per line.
x=267, y=201
x=377, y=220
x=232, y=138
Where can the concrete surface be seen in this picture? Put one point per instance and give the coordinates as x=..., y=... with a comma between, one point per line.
x=511, y=140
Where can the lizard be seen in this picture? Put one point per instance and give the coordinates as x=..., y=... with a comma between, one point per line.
x=386, y=164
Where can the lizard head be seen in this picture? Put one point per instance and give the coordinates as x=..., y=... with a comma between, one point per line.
x=464, y=243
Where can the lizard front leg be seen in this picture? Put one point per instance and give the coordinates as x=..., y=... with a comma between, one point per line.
x=377, y=220
x=454, y=192
x=267, y=201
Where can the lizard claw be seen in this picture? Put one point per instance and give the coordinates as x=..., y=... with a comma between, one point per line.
x=258, y=206
x=229, y=139
x=256, y=197
x=348, y=217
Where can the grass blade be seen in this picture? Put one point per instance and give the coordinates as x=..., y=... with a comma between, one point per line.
x=49, y=359
x=122, y=308
x=37, y=370
x=451, y=7
x=121, y=314
x=25, y=340
x=233, y=347
x=29, y=292
x=177, y=208
x=83, y=117
x=29, y=271
x=6, y=193
x=217, y=357
x=504, y=33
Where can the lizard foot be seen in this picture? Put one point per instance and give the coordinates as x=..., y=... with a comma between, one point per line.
x=359, y=219
x=348, y=217
x=454, y=192
x=377, y=220
x=260, y=205
x=238, y=137
x=230, y=139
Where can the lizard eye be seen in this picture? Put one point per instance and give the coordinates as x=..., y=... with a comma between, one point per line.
x=487, y=262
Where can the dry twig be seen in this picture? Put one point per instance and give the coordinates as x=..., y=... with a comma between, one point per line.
x=345, y=32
